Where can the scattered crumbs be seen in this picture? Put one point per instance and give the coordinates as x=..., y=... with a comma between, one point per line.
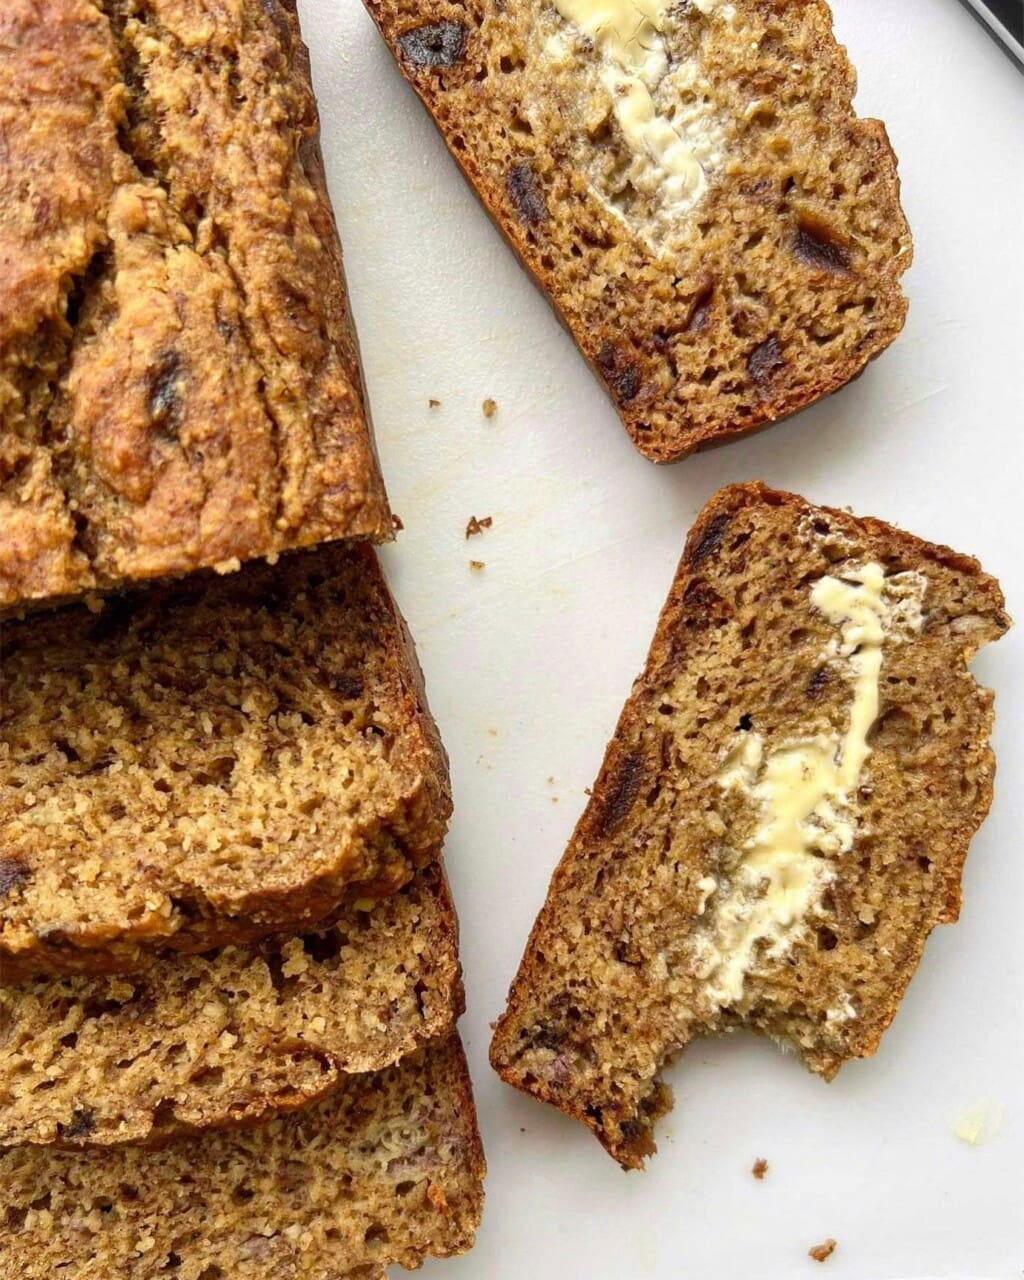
x=476, y=565
x=980, y=1123
x=396, y=523
x=554, y=799
x=476, y=526
x=588, y=791
x=822, y=1252
x=551, y=778
x=759, y=1169
x=521, y=1129
x=434, y=404
x=493, y=733
x=490, y=407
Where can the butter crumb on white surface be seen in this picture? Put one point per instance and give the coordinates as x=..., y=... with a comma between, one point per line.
x=981, y=1122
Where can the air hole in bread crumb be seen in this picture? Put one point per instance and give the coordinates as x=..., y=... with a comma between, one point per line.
x=322, y=946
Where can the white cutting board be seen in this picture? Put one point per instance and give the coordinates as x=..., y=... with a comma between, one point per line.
x=529, y=660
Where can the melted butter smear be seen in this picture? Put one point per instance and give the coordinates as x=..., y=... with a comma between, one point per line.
x=803, y=795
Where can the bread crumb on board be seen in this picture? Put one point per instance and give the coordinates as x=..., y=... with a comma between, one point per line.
x=477, y=565
x=396, y=523
x=434, y=403
x=759, y=1168
x=822, y=1252
x=490, y=407
x=475, y=526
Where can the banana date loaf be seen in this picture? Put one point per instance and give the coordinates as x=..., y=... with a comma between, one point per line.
x=179, y=376
x=689, y=184
x=386, y=1169
x=213, y=1041
x=209, y=761
x=781, y=817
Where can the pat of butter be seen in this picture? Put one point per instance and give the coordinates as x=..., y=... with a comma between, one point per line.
x=715, y=7
x=981, y=1122
x=803, y=790
x=627, y=36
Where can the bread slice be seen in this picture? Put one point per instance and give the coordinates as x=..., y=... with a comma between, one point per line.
x=208, y=1042
x=388, y=1168
x=781, y=817
x=689, y=184
x=179, y=375
x=210, y=761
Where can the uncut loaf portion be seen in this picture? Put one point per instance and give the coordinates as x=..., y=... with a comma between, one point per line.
x=781, y=817
x=179, y=376
x=689, y=184
x=209, y=761
x=387, y=1169
x=229, y=1038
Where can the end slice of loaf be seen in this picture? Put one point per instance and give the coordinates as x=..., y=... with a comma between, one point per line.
x=214, y=1041
x=781, y=817
x=689, y=184
x=180, y=384
x=388, y=1169
x=210, y=761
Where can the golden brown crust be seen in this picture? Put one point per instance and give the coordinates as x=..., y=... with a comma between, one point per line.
x=210, y=761
x=179, y=376
x=784, y=282
x=230, y=1038
x=388, y=1169
x=610, y=986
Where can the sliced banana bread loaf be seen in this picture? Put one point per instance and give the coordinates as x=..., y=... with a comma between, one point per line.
x=388, y=1168
x=211, y=1041
x=179, y=376
x=690, y=185
x=781, y=817
x=210, y=761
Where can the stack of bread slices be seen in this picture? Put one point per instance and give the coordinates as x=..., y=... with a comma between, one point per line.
x=229, y=975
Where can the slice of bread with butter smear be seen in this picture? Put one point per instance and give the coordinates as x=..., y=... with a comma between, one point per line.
x=781, y=817
x=689, y=183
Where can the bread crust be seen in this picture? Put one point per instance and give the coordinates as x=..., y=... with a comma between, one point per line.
x=180, y=381
x=593, y=1017
x=635, y=337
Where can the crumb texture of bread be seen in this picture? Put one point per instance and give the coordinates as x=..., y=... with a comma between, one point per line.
x=179, y=378
x=387, y=1169
x=209, y=1042
x=689, y=184
x=726, y=870
x=210, y=761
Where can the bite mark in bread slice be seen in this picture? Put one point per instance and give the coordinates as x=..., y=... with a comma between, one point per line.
x=781, y=817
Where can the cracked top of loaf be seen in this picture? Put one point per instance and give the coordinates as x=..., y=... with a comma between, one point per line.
x=179, y=376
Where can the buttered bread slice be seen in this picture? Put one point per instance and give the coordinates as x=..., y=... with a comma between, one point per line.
x=688, y=181
x=781, y=817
